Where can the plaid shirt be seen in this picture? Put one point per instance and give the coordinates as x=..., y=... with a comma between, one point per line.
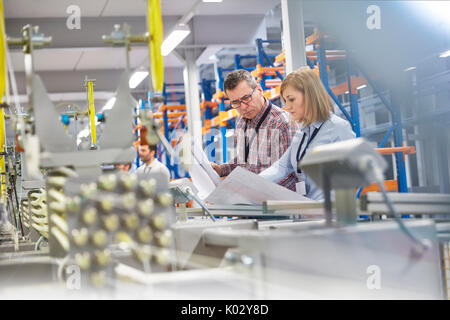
x=265, y=146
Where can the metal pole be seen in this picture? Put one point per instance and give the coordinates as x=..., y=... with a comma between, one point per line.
x=293, y=34
x=260, y=61
x=353, y=102
x=210, y=146
x=398, y=140
x=190, y=76
x=442, y=160
x=166, y=134
x=223, y=129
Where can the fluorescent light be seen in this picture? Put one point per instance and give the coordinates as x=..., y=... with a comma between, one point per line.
x=212, y=0
x=361, y=87
x=409, y=69
x=438, y=11
x=137, y=78
x=109, y=104
x=445, y=54
x=174, y=39
x=83, y=133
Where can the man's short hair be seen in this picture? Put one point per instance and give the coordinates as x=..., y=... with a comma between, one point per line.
x=150, y=147
x=235, y=77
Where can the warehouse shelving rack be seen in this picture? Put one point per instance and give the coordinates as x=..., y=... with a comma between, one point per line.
x=317, y=59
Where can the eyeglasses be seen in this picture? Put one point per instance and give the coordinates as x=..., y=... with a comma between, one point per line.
x=245, y=99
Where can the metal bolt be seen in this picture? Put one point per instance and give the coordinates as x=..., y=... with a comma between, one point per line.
x=164, y=238
x=146, y=207
x=165, y=199
x=88, y=190
x=143, y=253
x=144, y=234
x=111, y=222
x=158, y=221
x=147, y=187
x=128, y=200
x=74, y=205
x=80, y=237
x=83, y=260
x=107, y=182
x=100, y=238
x=131, y=220
x=107, y=203
x=98, y=278
x=162, y=257
x=129, y=181
x=102, y=258
x=89, y=216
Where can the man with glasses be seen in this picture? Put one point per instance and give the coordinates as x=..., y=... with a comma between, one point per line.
x=151, y=164
x=263, y=130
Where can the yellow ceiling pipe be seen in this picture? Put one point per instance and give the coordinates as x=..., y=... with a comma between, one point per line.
x=2, y=93
x=155, y=29
x=90, y=90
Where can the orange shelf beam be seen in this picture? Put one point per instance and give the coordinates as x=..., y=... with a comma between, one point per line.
x=219, y=95
x=343, y=88
x=272, y=93
x=271, y=71
x=404, y=150
x=281, y=58
x=221, y=119
x=389, y=185
x=174, y=120
x=174, y=107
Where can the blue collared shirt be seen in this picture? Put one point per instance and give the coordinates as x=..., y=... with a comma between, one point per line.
x=334, y=129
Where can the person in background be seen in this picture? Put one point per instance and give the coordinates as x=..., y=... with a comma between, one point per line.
x=309, y=104
x=124, y=167
x=263, y=130
x=151, y=164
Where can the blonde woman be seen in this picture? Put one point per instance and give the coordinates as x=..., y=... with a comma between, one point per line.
x=309, y=104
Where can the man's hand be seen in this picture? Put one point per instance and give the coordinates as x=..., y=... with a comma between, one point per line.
x=217, y=168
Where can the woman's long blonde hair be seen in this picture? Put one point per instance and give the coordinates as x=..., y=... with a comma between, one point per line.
x=318, y=106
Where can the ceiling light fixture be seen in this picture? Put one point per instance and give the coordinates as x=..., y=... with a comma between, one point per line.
x=109, y=104
x=409, y=69
x=178, y=34
x=445, y=54
x=361, y=87
x=137, y=78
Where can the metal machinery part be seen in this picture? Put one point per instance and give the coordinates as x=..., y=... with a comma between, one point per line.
x=240, y=255
x=329, y=260
x=343, y=166
x=141, y=215
x=132, y=211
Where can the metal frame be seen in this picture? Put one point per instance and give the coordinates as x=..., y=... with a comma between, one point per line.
x=396, y=127
x=262, y=56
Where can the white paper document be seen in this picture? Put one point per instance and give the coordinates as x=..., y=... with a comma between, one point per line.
x=204, y=177
x=245, y=187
